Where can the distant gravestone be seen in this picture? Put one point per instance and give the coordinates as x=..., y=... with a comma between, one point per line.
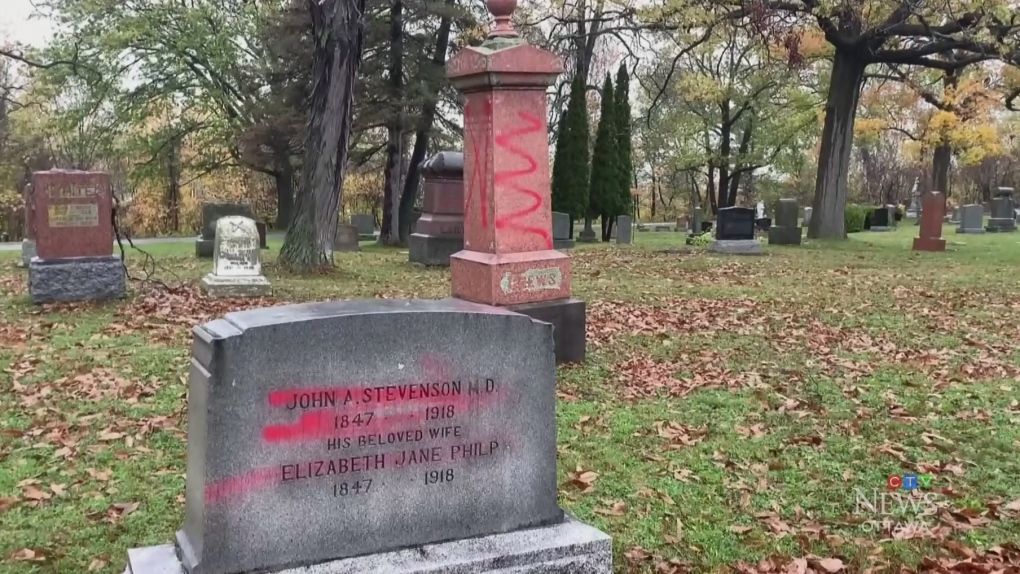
x=73, y=226
x=697, y=225
x=807, y=216
x=955, y=218
x=211, y=213
x=786, y=231
x=914, y=210
x=1003, y=219
x=734, y=232
x=439, y=233
x=365, y=222
x=317, y=436
x=932, y=212
x=346, y=238
x=28, y=242
x=561, y=231
x=971, y=219
x=624, y=230
x=882, y=218
x=261, y=227
x=237, y=264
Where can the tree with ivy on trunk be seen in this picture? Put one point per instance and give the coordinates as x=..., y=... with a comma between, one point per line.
x=337, y=39
x=902, y=32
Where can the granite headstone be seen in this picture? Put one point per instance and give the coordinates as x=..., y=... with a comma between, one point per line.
x=881, y=218
x=346, y=445
x=933, y=211
x=734, y=232
x=73, y=225
x=786, y=231
x=365, y=222
x=1003, y=219
x=971, y=219
x=439, y=232
x=561, y=231
x=346, y=238
x=624, y=230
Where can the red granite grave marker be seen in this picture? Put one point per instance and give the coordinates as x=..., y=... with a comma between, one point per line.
x=508, y=255
x=73, y=214
x=933, y=211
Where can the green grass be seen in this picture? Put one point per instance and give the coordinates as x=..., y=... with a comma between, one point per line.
x=733, y=405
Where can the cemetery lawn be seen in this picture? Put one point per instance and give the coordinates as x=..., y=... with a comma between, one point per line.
x=735, y=414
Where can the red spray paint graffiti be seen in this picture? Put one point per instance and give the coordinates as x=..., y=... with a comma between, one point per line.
x=512, y=220
x=476, y=123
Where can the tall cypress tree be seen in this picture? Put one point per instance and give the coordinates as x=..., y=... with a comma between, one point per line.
x=605, y=178
x=625, y=164
x=571, y=162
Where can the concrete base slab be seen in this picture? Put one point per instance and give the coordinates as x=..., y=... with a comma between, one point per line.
x=878, y=228
x=586, y=237
x=560, y=244
x=736, y=246
x=998, y=225
x=568, y=317
x=204, y=248
x=432, y=250
x=76, y=279
x=235, y=287
x=977, y=230
x=785, y=235
x=570, y=547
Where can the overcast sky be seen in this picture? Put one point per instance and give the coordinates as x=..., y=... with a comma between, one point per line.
x=17, y=23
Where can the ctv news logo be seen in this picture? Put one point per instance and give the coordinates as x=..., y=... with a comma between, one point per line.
x=904, y=505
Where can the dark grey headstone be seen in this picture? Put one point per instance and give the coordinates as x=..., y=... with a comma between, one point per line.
x=881, y=219
x=624, y=230
x=447, y=164
x=734, y=224
x=433, y=250
x=1004, y=192
x=1003, y=219
x=696, y=218
x=786, y=231
x=76, y=279
x=786, y=213
x=346, y=238
x=561, y=225
x=365, y=222
x=212, y=212
x=286, y=469
x=971, y=219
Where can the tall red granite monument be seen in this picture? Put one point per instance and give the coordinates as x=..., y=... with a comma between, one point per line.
x=508, y=257
x=72, y=220
x=933, y=211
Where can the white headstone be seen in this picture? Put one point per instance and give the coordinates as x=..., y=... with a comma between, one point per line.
x=237, y=266
x=236, y=251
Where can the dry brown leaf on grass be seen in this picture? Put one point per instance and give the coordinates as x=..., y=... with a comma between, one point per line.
x=28, y=555
x=617, y=509
x=583, y=479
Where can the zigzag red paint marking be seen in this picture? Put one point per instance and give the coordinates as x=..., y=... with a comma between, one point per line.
x=477, y=183
x=505, y=141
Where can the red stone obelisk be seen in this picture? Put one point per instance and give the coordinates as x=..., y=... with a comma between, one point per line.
x=508, y=257
x=933, y=211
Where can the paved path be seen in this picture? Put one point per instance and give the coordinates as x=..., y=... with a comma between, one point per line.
x=16, y=246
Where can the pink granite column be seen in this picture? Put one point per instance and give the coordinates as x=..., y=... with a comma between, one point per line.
x=508, y=255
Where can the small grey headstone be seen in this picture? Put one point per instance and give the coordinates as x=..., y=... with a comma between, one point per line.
x=561, y=231
x=314, y=434
x=807, y=216
x=1003, y=218
x=237, y=264
x=624, y=230
x=971, y=219
x=786, y=231
x=346, y=238
x=365, y=222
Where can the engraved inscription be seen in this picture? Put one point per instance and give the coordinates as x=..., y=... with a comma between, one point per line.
x=541, y=279
x=74, y=215
x=72, y=191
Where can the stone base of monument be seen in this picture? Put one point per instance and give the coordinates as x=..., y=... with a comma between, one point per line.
x=973, y=230
x=1002, y=225
x=368, y=236
x=880, y=228
x=570, y=547
x=76, y=279
x=27, y=252
x=587, y=237
x=432, y=250
x=929, y=244
x=204, y=248
x=736, y=246
x=567, y=316
x=234, y=287
x=560, y=244
x=784, y=235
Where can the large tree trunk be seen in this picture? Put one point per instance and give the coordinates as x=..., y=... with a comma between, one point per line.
x=283, y=175
x=337, y=36
x=389, y=231
x=422, y=134
x=940, y=167
x=829, y=205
